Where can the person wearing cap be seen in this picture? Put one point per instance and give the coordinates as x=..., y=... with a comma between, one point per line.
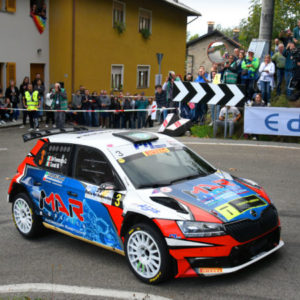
x=250, y=67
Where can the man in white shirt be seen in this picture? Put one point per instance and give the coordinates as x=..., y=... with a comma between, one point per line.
x=233, y=115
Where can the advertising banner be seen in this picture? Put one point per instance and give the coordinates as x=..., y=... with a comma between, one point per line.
x=272, y=120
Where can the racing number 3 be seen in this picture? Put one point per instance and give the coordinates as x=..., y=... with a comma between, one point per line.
x=117, y=200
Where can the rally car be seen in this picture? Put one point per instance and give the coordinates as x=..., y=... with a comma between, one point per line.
x=145, y=196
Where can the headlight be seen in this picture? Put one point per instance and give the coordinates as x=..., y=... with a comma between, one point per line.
x=200, y=229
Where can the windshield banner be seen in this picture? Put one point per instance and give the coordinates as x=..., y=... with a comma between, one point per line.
x=272, y=121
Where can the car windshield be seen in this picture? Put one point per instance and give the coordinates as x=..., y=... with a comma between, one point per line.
x=164, y=166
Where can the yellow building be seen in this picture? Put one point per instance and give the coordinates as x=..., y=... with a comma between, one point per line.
x=107, y=44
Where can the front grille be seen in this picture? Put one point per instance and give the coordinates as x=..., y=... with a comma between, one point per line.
x=239, y=254
x=246, y=230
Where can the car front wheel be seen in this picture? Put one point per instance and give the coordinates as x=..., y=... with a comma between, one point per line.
x=27, y=223
x=147, y=254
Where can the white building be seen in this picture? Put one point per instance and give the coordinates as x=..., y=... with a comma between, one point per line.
x=23, y=50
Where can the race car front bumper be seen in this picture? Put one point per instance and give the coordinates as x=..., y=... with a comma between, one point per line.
x=221, y=271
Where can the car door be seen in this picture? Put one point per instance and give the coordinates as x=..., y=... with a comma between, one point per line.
x=51, y=179
x=100, y=193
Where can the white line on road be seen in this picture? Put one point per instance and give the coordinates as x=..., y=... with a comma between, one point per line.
x=3, y=149
x=75, y=290
x=241, y=145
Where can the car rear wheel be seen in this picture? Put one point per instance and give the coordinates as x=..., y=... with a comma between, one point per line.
x=147, y=254
x=27, y=223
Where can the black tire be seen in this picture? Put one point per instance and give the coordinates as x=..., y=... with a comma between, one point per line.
x=32, y=227
x=144, y=261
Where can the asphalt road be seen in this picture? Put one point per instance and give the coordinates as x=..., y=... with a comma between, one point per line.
x=55, y=258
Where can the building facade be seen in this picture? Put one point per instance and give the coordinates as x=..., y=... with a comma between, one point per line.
x=112, y=45
x=23, y=50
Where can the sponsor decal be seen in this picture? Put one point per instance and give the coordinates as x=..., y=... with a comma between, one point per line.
x=156, y=151
x=55, y=162
x=75, y=207
x=148, y=145
x=238, y=206
x=155, y=191
x=166, y=189
x=109, y=197
x=41, y=160
x=109, y=145
x=210, y=270
x=121, y=160
x=53, y=178
x=146, y=207
x=174, y=236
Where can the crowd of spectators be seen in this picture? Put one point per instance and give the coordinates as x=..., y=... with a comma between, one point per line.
x=239, y=68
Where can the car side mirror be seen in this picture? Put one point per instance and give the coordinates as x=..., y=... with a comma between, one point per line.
x=108, y=186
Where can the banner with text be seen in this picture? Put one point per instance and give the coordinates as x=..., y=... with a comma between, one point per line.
x=272, y=120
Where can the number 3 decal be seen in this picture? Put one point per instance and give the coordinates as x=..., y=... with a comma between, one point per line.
x=117, y=200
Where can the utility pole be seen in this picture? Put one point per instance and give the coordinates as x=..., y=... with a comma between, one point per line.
x=266, y=21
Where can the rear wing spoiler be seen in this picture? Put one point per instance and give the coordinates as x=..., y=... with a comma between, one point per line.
x=39, y=134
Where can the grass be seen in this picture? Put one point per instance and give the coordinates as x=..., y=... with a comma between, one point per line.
x=202, y=131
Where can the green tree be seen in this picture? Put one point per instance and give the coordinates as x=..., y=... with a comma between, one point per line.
x=286, y=14
x=193, y=37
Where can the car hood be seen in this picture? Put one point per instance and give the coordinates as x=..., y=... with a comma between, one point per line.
x=225, y=198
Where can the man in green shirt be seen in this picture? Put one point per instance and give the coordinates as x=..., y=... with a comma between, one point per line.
x=279, y=60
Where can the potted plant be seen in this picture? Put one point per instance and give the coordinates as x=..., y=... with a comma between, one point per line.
x=145, y=33
x=120, y=27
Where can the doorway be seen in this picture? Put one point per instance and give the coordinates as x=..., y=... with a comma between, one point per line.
x=37, y=68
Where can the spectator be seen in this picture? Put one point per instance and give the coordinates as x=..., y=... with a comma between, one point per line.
x=233, y=116
x=161, y=101
x=276, y=42
x=37, y=77
x=115, y=116
x=127, y=116
x=168, y=87
x=48, y=107
x=31, y=102
x=76, y=105
x=82, y=90
x=95, y=105
x=86, y=105
x=286, y=37
x=258, y=101
x=266, y=79
x=279, y=60
x=250, y=67
x=105, y=105
x=290, y=66
x=23, y=89
x=296, y=34
x=149, y=114
x=230, y=71
x=141, y=103
x=200, y=108
x=236, y=53
x=188, y=77
x=239, y=63
x=12, y=92
x=60, y=102
x=6, y=114
x=41, y=89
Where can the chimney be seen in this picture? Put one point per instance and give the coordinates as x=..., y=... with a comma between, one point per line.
x=236, y=34
x=210, y=26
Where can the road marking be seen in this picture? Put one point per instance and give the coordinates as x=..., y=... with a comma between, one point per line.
x=75, y=290
x=3, y=149
x=243, y=145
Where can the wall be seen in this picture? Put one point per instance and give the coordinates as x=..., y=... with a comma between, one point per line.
x=98, y=45
x=20, y=40
x=199, y=53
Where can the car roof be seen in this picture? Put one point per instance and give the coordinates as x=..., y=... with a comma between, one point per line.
x=102, y=138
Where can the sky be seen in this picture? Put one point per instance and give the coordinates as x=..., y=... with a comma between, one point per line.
x=228, y=13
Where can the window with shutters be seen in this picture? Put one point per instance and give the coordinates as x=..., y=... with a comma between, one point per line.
x=143, y=76
x=118, y=13
x=10, y=72
x=145, y=20
x=10, y=6
x=117, y=77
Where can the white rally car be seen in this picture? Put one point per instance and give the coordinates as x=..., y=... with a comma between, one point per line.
x=146, y=196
